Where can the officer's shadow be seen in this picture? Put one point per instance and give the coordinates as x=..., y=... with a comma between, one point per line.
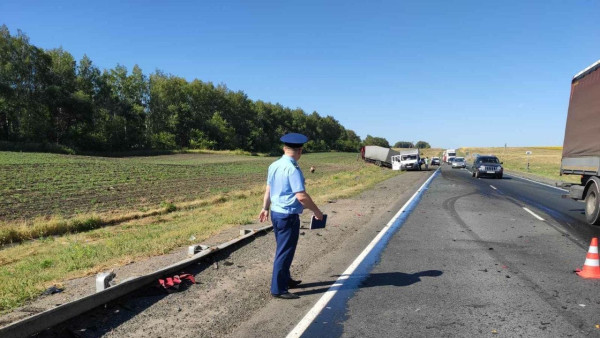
x=372, y=280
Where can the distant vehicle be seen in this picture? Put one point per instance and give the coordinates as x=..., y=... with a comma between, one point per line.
x=435, y=161
x=381, y=156
x=448, y=155
x=487, y=165
x=410, y=160
x=581, y=146
x=459, y=162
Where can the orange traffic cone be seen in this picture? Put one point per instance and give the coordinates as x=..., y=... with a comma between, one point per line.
x=591, y=267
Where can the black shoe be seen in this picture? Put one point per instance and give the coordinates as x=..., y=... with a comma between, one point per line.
x=287, y=295
x=293, y=283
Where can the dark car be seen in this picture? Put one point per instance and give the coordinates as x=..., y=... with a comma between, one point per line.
x=435, y=161
x=487, y=165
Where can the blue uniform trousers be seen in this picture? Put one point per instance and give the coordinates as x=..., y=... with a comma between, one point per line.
x=287, y=230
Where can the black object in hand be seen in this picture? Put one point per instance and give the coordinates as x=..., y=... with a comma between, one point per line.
x=318, y=224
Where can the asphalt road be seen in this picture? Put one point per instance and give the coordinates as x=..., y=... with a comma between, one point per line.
x=470, y=260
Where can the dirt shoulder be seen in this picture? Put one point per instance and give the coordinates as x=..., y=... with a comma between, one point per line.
x=232, y=296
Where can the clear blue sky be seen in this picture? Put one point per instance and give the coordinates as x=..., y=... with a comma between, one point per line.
x=452, y=73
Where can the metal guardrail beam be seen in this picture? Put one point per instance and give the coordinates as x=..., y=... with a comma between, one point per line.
x=49, y=318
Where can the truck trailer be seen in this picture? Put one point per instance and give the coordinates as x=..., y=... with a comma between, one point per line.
x=581, y=146
x=381, y=156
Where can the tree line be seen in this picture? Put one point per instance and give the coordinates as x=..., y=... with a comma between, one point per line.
x=46, y=96
x=382, y=142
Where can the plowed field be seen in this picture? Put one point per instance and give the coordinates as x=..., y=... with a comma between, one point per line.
x=35, y=184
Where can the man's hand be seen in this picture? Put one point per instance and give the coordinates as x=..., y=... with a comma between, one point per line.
x=264, y=213
x=308, y=203
x=263, y=216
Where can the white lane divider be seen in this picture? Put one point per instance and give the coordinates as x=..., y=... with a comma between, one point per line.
x=536, y=182
x=328, y=295
x=493, y=187
x=534, y=215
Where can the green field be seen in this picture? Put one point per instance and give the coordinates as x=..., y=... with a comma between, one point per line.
x=62, y=185
x=207, y=192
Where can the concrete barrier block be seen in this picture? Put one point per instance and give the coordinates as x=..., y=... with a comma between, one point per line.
x=244, y=232
x=194, y=249
x=103, y=280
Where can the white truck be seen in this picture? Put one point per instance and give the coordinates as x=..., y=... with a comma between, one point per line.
x=381, y=156
x=581, y=146
x=410, y=160
x=449, y=155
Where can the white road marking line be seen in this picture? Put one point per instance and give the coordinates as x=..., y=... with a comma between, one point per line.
x=540, y=183
x=328, y=295
x=534, y=215
x=493, y=187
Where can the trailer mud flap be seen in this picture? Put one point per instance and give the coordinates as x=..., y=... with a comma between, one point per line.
x=575, y=192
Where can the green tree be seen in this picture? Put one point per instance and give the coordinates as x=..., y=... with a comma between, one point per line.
x=24, y=79
x=422, y=145
x=170, y=111
x=349, y=142
x=404, y=144
x=221, y=132
x=330, y=131
x=62, y=106
x=376, y=141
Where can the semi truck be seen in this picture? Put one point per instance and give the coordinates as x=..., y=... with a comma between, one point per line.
x=449, y=154
x=581, y=146
x=381, y=156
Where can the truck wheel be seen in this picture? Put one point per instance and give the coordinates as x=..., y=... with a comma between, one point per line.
x=592, y=207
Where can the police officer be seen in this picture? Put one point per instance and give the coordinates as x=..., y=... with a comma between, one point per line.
x=286, y=197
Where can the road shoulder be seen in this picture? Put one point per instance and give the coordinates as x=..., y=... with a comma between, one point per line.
x=232, y=294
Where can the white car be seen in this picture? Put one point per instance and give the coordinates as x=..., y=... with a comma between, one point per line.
x=459, y=162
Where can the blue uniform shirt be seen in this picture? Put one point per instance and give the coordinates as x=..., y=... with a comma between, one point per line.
x=285, y=179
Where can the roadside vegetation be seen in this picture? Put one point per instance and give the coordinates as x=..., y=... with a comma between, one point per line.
x=544, y=162
x=156, y=204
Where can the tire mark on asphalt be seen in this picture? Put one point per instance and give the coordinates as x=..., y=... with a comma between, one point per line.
x=576, y=321
x=561, y=222
x=556, y=227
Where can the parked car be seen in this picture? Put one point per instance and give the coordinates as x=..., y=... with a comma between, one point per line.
x=435, y=161
x=459, y=162
x=487, y=165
